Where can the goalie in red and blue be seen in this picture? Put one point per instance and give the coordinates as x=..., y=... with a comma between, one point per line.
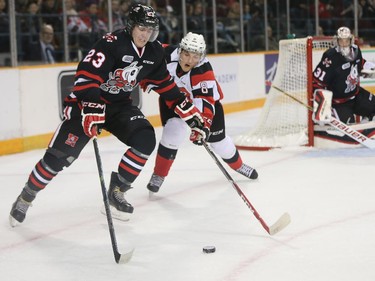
x=193, y=74
x=339, y=72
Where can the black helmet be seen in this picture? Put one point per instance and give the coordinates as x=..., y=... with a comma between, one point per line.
x=144, y=16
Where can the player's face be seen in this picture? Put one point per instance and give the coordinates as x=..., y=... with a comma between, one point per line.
x=344, y=42
x=141, y=35
x=188, y=60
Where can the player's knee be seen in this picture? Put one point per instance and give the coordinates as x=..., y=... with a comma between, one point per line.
x=143, y=141
x=174, y=133
x=57, y=160
x=225, y=148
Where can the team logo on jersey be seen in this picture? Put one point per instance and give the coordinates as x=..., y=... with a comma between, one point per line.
x=327, y=62
x=71, y=140
x=110, y=37
x=127, y=58
x=352, y=80
x=122, y=79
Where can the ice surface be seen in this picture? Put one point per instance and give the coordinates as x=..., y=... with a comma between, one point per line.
x=329, y=194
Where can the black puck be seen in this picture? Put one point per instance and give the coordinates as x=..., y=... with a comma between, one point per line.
x=209, y=249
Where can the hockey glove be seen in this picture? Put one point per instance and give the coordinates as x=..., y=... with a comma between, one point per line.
x=191, y=115
x=92, y=114
x=199, y=136
x=368, y=73
x=368, y=70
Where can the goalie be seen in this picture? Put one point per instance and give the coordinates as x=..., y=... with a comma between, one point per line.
x=338, y=72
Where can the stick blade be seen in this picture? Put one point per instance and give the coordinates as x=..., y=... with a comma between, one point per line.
x=124, y=258
x=280, y=224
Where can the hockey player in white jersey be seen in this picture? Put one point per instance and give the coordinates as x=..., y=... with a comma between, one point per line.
x=193, y=74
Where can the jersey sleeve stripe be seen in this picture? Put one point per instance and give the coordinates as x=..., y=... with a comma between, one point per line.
x=89, y=75
x=84, y=87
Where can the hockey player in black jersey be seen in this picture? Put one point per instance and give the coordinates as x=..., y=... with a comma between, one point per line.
x=101, y=98
x=193, y=73
x=339, y=71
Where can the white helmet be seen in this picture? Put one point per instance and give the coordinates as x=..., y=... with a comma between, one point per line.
x=344, y=33
x=193, y=42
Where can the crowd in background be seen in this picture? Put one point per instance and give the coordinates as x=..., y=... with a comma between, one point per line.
x=40, y=25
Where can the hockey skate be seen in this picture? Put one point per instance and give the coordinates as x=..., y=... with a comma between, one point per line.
x=120, y=208
x=21, y=205
x=155, y=183
x=248, y=172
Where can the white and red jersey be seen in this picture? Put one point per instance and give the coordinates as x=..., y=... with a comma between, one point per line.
x=199, y=83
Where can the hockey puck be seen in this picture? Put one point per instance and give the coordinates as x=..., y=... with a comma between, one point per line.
x=209, y=249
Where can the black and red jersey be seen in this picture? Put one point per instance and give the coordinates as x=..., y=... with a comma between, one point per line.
x=337, y=74
x=115, y=66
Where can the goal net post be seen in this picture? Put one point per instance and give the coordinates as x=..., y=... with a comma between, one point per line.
x=283, y=121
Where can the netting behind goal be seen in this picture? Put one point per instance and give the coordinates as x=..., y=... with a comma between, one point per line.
x=283, y=121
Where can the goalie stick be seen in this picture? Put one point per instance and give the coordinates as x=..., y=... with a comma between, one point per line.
x=279, y=225
x=338, y=125
x=119, y=258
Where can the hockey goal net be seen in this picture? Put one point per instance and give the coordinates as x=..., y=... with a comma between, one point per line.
x=283, y=121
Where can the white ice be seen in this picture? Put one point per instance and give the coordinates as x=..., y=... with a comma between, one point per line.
x=330, y=195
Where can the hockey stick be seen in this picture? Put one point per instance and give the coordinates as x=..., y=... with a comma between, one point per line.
x=279, y=225
x=119, y=258
x=338, y=125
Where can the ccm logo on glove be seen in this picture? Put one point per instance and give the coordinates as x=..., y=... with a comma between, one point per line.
x=93, y=105
x=92, y=114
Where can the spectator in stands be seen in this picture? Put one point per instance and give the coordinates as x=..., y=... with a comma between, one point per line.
x=49, y=10
x=75, y=23
x=4, y=28
x=31, y=23
x=299, y=13
x=320, y=31
x=232, y=24
x=195, y=22
x=273, y=43
x=76, y=27
x=165, y=29
x=125, y=9
x=366, y=9
x=96, y=26
x=91, y=18
x=42, y=51
x=21, y=6
x=117, y=16
x=326, y=14
x=256, y=25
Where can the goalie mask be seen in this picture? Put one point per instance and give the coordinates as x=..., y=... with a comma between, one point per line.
x=194, y=43
x=143, y=16
x=344, y=41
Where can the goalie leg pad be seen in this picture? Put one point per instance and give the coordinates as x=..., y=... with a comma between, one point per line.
x=322, y=106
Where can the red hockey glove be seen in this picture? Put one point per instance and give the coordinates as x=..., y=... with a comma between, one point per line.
x=191, y=115
x=92, y=114
x=199, y=135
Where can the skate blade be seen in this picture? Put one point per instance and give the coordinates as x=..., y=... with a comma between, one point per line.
x=116, y=214
x=152, y=196
x=12, y=221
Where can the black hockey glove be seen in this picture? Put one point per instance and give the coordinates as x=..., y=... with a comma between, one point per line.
x=92, y=114
x=192, y=116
